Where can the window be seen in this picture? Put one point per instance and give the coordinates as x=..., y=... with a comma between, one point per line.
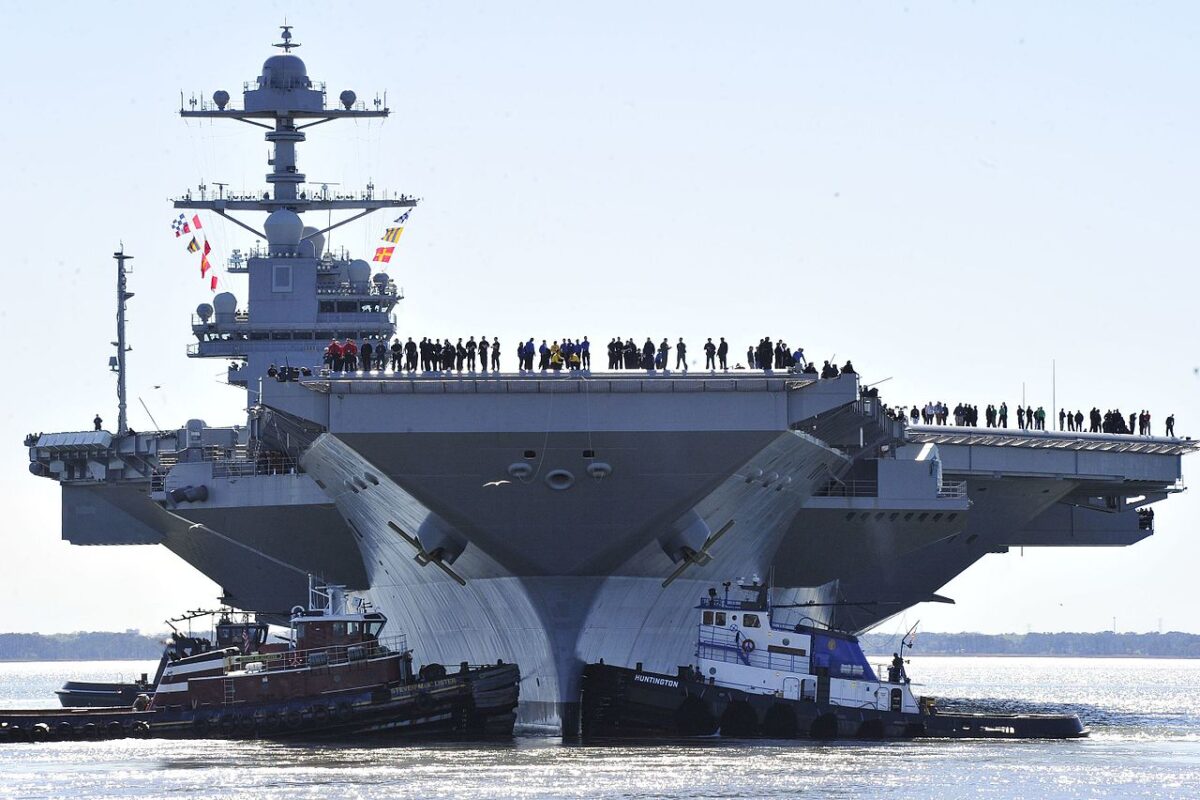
x=708, y=618
x=750, y=621
x=339, y=629
x=281, y=278
x=720, y=618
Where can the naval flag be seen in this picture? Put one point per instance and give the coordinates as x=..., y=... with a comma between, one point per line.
x=383, y=254
x=392, y=235
x=403, y=218
x=180, y=226
x=196, y=222
x=205, y=266
x=193, y=245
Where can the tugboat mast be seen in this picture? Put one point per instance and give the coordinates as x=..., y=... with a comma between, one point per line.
x=119, y=365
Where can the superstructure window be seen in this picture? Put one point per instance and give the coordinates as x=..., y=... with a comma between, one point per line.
x=708, y=617
x=720, y=618
x=750, y=621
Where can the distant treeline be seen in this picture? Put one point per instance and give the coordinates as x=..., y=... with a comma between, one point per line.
x=1159, y=645
x=103, y=646
x=83, y=646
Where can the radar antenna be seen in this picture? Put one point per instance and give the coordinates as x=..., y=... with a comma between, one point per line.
x=287, y=44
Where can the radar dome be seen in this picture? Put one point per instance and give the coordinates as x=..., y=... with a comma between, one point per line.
x=204, y=311
x=360, y=271
x=318, y=239
x=348, y=97
x=283, y=228
x=221, y=98
x=225, y=303
x=379, y=279
x=284, y=72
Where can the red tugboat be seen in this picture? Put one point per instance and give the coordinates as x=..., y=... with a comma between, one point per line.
x=336, y=677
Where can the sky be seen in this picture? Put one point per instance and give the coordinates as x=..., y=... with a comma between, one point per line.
x=965, y=198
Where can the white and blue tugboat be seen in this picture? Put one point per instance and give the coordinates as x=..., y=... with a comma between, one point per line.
x=757, y=676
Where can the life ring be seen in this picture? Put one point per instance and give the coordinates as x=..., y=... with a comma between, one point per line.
x=747, y=646
x=141, y=729
x=41, y=732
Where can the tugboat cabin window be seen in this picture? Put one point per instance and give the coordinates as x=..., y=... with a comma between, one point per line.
x=354, y=628
x=750, y=621
x=720, y=620
x=373, y=628
x=339, y=629
x=708, y=618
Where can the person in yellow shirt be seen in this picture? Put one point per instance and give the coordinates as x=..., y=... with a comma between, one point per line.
x=556, y=358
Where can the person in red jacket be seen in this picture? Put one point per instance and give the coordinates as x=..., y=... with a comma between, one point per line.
x=333, y=355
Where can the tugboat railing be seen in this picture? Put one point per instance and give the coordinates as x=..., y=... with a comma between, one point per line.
x=336, y=655
x=730, y=646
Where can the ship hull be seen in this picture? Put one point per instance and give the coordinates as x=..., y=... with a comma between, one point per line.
x=628, y=703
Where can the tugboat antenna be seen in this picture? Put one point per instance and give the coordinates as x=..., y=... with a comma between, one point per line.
x=119, y=366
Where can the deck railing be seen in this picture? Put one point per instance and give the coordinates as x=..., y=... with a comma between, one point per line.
x=336, y=655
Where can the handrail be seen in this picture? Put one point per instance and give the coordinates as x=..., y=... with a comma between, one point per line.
x=334, y=655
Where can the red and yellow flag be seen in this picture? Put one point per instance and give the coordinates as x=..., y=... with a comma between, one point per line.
x=383, y=254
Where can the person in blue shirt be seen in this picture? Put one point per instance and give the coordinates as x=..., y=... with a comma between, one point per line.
x=585, y=353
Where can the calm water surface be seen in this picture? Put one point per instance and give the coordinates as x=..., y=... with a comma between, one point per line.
x=1145, y=743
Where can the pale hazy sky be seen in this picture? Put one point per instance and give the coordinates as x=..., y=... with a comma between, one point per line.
x=952, y=194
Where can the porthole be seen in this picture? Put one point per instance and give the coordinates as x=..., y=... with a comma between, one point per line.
x=589, y=453
x=530, y=454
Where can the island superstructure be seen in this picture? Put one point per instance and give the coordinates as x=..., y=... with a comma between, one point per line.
x=547, y=520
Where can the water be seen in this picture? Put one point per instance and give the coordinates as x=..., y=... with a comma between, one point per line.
x=1145, y=743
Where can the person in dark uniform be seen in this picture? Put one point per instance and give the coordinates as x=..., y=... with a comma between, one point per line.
x=397, y=351
x=723, y=354
x=710, y=355
x=364, y=353
x=410, y=355
x=484, y=346
x=471, y=348
x=98, y=422
x=1170, y=425
x=681, y=355
x=496, y=354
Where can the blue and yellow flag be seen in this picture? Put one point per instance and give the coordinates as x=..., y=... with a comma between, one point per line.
x=392, y=234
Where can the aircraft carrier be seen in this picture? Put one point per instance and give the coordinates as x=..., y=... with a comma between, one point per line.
x=548, y=519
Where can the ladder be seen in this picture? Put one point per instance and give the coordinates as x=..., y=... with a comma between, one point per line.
x=228, y=691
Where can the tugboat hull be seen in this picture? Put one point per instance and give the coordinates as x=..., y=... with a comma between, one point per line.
x=480, y=703
x=618, y=702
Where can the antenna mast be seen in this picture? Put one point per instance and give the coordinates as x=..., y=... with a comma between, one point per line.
x=119, y=366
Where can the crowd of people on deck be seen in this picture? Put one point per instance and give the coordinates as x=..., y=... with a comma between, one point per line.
x=1034, y=419
x=481, y=355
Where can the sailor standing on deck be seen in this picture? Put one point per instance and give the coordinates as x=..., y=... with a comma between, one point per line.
x=723, y=354
x=495, y=354
x=98, y=422
x=681, y=355
x=483, y=354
